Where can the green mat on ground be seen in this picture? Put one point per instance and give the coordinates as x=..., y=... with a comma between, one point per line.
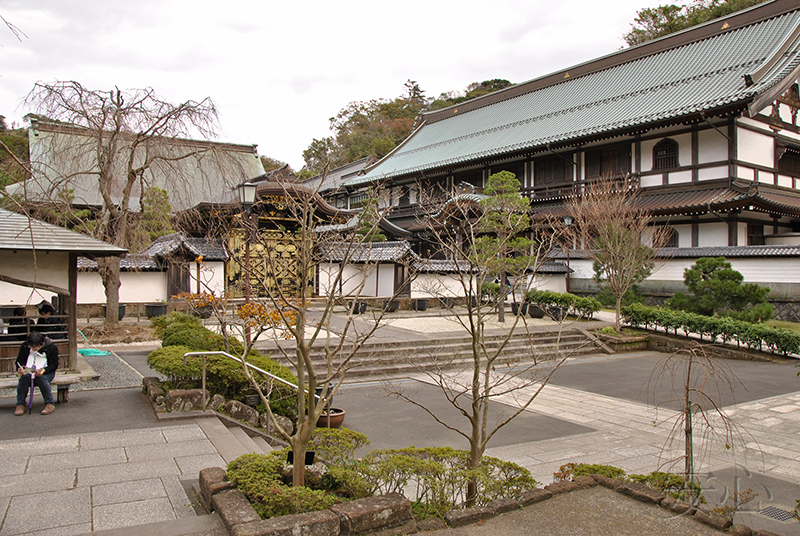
x=93, y=351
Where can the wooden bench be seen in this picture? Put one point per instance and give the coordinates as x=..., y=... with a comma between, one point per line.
x=61, y=381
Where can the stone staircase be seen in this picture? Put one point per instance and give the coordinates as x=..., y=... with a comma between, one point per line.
x=393, y=358
x=232, y=439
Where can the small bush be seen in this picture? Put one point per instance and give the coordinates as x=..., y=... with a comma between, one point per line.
x=196, y=337
x=573, y=470
x=258, y=477
x=335, y=445
x=670, y=484
x=225, y=376
x=160, y=323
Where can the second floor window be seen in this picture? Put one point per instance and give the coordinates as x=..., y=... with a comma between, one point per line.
x=665, y=154
x=608, y=162
x=552, y=170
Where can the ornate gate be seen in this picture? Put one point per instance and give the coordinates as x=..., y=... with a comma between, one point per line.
x=274, y=264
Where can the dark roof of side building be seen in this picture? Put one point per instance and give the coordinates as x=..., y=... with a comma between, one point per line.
x=19, y=232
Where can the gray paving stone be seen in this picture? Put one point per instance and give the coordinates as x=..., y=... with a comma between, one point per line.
x=189, y=432
x=38, y=446
x=136, y=490
x=104, y=440
x=69, y=530
x=139, y=453
x=191, y=466
x=13, y=485
x=126, y=472
x=63, y=508
x=181, y=503
x=14, y=466
x=114, y=516
x=89, y=458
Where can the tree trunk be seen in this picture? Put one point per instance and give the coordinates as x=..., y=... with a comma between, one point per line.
x=617, y=325
x=298, y=442
x=109, y=274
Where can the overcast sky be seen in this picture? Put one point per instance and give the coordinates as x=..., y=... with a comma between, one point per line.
x=278, y=70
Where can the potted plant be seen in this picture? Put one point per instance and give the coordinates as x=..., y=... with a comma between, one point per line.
x=535, y=311
x=333, y=418
x=153, y=310
x=121, y=313
x=518, y=309
x=358, y=307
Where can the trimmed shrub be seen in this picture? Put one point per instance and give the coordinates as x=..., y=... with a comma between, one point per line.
x=670, y=484
x=224, y=375
x=575, y=470
x=258, y=477
x=755, y=336
x=160, y=323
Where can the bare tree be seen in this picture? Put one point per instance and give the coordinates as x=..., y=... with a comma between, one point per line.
x=700, y=381
x=341, y=257
x=102, y=149
x=476, y=240
x=617, y=234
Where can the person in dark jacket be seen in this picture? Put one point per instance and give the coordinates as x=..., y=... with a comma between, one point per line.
x=38, y=357
x=49, y=324
x=20, y=325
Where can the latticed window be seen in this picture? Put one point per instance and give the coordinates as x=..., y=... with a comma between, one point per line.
x=552, y=170
x=665, y=154
x=672, y=238
x=608, y=162
x=789, y=162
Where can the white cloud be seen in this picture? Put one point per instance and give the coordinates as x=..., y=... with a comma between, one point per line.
x=278, y=71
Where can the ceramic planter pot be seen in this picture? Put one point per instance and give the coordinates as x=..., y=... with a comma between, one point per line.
x=335, y=420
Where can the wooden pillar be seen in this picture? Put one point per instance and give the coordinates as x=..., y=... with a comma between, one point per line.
x=72, y=311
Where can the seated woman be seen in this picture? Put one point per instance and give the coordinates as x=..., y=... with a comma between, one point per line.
x=37, y=362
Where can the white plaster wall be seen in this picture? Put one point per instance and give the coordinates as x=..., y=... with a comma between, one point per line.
x=17, y=295
x=785, y=181
x=439, y=286
x=712, y=234
x=378, y=281
x=684, y=235
x=712, y=146
x=385, y=280
x=708, y=174
x=50, y=268
x=554, y=282
x=135, y=287
x=762, y=271
x=755, y=147
x=212, y=277
x=680, y=177
x=651, y=180
x=647, y=154
x=741, y=231
x=745, y=173
x=787, y=239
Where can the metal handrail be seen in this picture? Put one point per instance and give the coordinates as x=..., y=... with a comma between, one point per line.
x=226, y=354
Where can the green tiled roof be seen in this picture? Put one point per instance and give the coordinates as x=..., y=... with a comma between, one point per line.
x=664, y=86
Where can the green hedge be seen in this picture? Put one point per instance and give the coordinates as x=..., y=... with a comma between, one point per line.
x=576, y=305
x=754, y=336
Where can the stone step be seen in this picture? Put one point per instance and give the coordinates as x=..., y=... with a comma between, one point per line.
x=265, y=447
x=246, y=441
x=228, y=446
x=205, y=525
x=416, y=354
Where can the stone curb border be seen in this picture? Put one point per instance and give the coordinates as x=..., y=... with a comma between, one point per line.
x=390, y=515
